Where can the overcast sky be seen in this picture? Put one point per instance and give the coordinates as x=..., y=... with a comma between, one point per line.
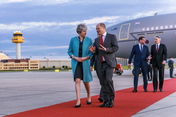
x=48, y=25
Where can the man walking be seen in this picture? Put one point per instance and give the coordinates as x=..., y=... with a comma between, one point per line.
x=141, y=54
x=159, y=56
x=104, y=49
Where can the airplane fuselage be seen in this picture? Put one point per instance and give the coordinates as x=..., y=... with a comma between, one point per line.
x=128, y=32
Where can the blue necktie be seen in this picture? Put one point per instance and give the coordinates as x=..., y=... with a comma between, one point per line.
x=141, y=48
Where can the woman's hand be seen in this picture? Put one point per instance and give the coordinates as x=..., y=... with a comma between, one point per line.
x=80, y=59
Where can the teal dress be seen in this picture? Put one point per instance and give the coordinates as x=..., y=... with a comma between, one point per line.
x=74, y=50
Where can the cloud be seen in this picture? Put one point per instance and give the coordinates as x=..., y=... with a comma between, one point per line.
x=12, y=1
x=142, y=14
x=5, y=41
x=36, y=2
x=42, y=47
x=43, y=25
x=51, y=2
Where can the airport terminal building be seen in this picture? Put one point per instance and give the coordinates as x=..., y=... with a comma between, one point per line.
x=6, y=63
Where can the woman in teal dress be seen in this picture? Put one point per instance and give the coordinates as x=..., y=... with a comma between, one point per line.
x=80, y=61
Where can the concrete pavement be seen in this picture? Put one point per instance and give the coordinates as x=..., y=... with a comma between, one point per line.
x=21, y=91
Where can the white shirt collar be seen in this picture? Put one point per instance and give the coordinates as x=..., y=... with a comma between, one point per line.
x=104, y=35
x=158, y=44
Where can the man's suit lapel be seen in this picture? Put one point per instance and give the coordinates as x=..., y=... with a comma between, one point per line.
x=160, y=47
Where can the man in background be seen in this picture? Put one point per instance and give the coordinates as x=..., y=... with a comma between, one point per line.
x=171, y=67
x=159, y=57
x=141, y=54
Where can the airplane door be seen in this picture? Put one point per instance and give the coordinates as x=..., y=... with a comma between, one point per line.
x=124, y=31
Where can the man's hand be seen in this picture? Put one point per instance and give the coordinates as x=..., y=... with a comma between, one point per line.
x=151, y=66
x=149, y=57
x=102, y=47
x=92, y=49
x=164, y=62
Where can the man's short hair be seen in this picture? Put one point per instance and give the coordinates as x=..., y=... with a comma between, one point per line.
x=140, y=38
x=102, y=25
x=158, y=37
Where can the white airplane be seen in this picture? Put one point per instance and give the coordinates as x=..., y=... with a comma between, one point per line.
x=128, y=32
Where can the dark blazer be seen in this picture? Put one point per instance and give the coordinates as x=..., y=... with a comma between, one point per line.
x=158, y=57
x=111, y=45
x=138, y=55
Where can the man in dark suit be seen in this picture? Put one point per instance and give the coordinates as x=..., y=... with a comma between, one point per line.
x=141, y=54
x=171, y=67
x=159, y=56
x=104, y=49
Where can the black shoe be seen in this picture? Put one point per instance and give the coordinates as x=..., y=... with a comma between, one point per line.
x=149, y=79
x=161, y=90
x=134, y=90
x=105, y=104
x=111, y=104
x=154, y=90
x=100, y=99
x=88, y=103
x=145, y=90
x=77, y=106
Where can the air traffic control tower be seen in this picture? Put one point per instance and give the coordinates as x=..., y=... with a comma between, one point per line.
x=17, y=38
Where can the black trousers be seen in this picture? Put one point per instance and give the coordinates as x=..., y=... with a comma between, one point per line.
x=101, y=89
x=105, y=76
x=149, y=73
x=157, y=69
x=171, y=72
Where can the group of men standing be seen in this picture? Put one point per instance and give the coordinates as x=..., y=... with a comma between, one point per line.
x=157, y=58
x=105, y=61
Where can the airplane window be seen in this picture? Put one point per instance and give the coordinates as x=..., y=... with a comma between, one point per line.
x=135, y=30
x=161, y=27
x=157, y=28
x=143, y=29
x=175, y=25
x=138, y=29
x=152, y=28
x=171, y=26
x=166, y=27
x=148, y=29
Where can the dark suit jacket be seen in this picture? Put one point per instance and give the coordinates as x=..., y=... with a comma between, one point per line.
x=139, y=57
x=171, y=64
x=158, y=57
x=111, y=45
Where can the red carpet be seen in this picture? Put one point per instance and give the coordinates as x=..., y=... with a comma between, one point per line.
x=126, y=104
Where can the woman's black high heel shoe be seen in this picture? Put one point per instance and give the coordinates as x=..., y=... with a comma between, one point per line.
x=77, y=106
x=88, y=103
